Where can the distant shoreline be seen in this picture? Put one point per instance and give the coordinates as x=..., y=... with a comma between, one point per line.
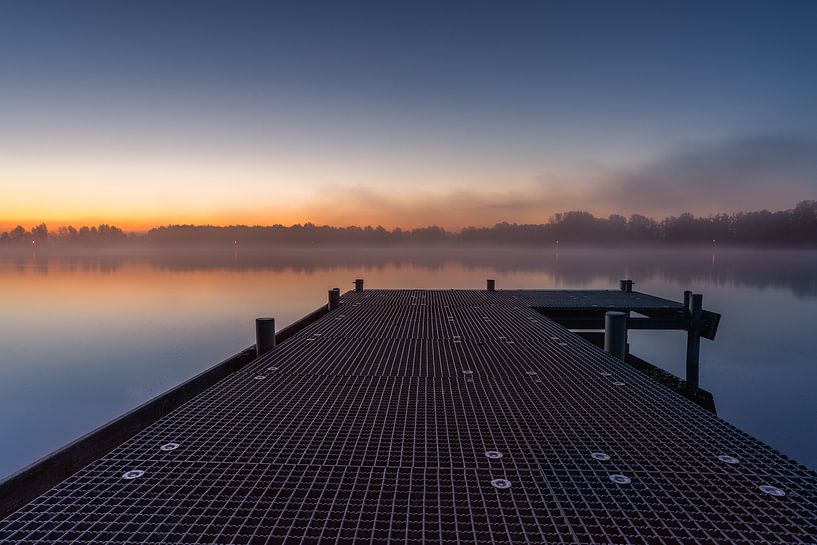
x=260, y=250
x=793, y=228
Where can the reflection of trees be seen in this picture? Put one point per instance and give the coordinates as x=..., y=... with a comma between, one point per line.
x=64, y=264
x=787, y=269
x=793, y=270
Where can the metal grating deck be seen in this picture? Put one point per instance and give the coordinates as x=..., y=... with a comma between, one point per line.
x=381, y=423
x=554, y=299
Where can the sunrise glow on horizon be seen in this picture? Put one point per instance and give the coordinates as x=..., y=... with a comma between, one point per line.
x=168, y=114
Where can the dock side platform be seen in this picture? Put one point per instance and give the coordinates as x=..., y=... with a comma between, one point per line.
x=435, y=416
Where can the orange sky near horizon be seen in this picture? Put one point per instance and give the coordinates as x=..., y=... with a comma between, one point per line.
x=137, y=196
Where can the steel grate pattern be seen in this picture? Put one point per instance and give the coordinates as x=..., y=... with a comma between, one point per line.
x=608, y=299
x=556, y=299
x=413, y=416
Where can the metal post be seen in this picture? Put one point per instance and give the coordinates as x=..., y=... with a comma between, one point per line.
x=264, y=335
x=491, y=284
x=687, y=293
x=694, y=340
x=334, y=298
x=359, y=284
x=626, y=285
x=615, y=333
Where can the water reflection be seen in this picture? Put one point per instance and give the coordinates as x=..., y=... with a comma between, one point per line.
x=85, y=337
x=792, y=270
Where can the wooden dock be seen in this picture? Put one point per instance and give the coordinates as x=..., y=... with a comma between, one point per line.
x=437, y=416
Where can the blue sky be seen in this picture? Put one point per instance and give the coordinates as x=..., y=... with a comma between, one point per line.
x=405, y=113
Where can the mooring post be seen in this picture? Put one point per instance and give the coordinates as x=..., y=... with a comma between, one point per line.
x=615, y=333
x=626, y=285
x=359, y=284
x=491, y=284
x=334, y=298
x=687, y=293
x=694, y=340
x=264, y=335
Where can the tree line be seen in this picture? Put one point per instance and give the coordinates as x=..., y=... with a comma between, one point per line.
x=796, y=227
x=94, y=235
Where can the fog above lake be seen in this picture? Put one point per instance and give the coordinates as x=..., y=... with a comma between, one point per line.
x=795, y=270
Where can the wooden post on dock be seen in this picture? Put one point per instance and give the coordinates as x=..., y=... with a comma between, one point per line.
x=334, y=298
x=359, y=284
x=491, y=284
x=264, y=335
x=694, y=340
x=615, y=333
x=687, y=293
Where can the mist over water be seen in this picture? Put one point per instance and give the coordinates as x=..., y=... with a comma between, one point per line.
x=87, y=336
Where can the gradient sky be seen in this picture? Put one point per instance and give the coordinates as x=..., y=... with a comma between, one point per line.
x=146, y=113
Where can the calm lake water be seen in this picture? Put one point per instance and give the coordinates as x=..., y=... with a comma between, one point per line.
x=86, y=338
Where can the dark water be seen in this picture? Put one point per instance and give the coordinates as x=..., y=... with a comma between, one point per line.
x=85, y=338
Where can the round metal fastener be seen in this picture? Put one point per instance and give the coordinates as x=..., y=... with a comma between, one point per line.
x=169, y=446
x=725, y=458
x=606, y=374
x=772, y=490
x=467, y=372
x=132, y=474
x=618, y=383
x=493, y=454
x=537, y=381
x=272, y=368
x=501, y=483
x=260, y=377
x=532, y=373
x=620, y=479
x=600, y=456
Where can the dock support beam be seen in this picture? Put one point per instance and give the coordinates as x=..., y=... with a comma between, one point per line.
x=334, y=298
x=626, y=285
x=615, y=333
x=694, y=340
x=359, y=284
x=264, y=335
x=491, y=284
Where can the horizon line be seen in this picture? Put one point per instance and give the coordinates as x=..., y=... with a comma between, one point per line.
x=9, y=226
